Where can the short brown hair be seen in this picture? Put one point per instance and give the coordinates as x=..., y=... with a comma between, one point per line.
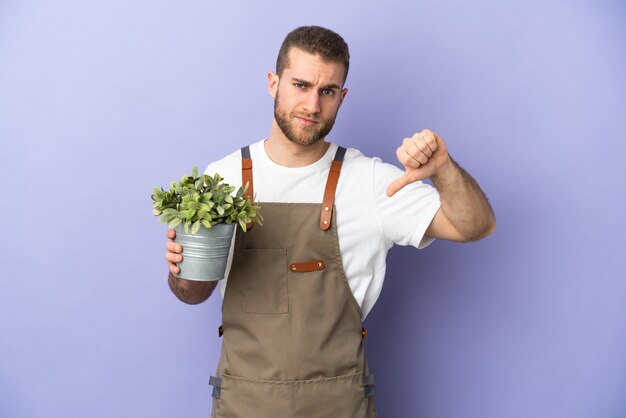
x=317, y=40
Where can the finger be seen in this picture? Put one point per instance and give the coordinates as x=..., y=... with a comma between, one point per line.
x=171, y=234
x=420, y=142
x=416, y=156
x=414, y=151
x=173, y=247
x=174, y=269
x=406, y=159
x=430, y=138
x=173, y=257
x=397, y=184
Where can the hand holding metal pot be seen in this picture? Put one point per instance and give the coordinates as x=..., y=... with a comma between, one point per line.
x=203, y=213
x=173, y=254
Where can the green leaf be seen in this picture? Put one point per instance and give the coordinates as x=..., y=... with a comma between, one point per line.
x=204, y=200
x=174, y=223
x=187, y=227
x=167, y=218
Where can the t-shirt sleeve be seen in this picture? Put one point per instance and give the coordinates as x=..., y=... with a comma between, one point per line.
x=405, y=216
x=229, y=168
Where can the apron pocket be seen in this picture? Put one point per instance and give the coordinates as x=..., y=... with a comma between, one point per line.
x=265, y=285
x=249, y=398
x=335, y=397
x=341, y=396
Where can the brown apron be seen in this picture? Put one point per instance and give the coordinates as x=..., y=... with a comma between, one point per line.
x=293, y=338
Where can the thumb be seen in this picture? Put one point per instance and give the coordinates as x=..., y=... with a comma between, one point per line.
x=398, y=183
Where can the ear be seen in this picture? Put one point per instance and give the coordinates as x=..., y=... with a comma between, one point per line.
x=272, y=83
x=343, y=93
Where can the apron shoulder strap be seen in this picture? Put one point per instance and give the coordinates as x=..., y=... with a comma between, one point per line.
x=246, y=172
x=246, y=176
x=331, y=185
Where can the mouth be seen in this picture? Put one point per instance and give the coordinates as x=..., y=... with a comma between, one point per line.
x=306, y=121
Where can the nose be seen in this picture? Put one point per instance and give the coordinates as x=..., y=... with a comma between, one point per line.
x=312, y=102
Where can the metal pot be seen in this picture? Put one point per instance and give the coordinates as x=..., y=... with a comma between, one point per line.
x=205, y=253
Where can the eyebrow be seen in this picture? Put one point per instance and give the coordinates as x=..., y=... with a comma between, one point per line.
x=308, y=83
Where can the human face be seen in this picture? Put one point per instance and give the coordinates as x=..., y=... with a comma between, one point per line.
x=307, y=97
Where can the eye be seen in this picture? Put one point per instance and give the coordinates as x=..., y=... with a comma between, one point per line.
x=299, y=85
x=328, y=92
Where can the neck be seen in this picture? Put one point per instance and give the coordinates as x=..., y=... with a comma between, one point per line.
x=289, y=154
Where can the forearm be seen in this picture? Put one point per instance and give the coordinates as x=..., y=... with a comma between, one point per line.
x=463, y=202
x=191, y=291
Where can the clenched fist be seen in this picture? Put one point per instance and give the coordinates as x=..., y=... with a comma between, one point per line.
x=421, y=155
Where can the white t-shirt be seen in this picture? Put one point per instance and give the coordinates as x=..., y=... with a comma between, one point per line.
x=368, y=221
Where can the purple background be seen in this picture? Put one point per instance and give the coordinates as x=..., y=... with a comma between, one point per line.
x=101, y=100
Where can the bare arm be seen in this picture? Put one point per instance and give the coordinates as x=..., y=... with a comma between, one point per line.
x=188, y=291
x=465, y=214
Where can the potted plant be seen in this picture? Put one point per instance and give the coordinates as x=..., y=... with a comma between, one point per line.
x=204, y=213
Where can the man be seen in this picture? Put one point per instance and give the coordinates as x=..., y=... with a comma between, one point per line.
x=299, y=286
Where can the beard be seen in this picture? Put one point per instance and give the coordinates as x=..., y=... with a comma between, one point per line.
x=303, y=135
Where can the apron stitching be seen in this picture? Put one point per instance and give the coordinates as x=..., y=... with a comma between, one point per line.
x=351, y=376
x=342, y=274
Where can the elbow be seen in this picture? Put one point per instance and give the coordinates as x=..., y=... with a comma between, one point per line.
x=193, y=299
x=478, y=234
x=487, y=230
x=191, y=292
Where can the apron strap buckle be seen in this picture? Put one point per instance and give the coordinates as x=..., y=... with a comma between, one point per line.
x=368, y=384
x=216, y=382
x=329, y=192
